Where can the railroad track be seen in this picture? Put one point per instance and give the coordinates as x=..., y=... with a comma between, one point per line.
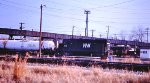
x=88, y=63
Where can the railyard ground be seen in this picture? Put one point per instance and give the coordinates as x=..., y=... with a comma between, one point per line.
x=115, y=59
x=22, y=72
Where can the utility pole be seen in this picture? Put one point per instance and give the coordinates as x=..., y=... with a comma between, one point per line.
x=21, y=27
x=147, y=32
x=40, y=40
x=72, y=31
x=100, y=35
x=107, y=31
x=32, y=35
x=32, y=32
x=92, y=32
x=115, y=36
x=86, y=29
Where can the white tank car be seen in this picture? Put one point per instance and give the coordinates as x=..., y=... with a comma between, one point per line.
x=26, y=45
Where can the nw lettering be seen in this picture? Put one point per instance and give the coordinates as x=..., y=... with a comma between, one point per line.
x=86, y=45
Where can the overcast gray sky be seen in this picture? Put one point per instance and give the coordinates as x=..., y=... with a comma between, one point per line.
x=60, y=15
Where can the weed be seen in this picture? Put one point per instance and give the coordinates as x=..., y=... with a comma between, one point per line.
x=19, y=68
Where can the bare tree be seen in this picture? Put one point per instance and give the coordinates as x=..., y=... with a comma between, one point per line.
x=122, y=35
x=137, y=34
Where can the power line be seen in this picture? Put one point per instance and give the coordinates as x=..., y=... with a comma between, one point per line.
x=56, y=8
x=59, y=10
x=114, y=4
x=49, y=10
x=18, y=7
x=83, y=19
x=92, y=9
x=97, y=21
x=77, y=19
x=15, y=3
x=58, y=3
x=117, y=12
x=51, y=14
x=130, y=8
x=121, y=18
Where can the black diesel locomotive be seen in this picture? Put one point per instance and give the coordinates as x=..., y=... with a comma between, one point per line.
x=82, y=47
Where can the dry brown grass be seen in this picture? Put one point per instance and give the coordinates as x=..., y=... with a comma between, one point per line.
x=11, y=72
x=19, y=68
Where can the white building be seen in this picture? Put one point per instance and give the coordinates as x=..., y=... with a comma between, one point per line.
x=145, y=54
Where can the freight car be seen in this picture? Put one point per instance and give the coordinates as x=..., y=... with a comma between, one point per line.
x=82, y=47
x=13, y=46
x=122, y=51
